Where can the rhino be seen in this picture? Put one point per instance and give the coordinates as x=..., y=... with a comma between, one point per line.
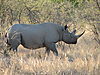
x=33, y=36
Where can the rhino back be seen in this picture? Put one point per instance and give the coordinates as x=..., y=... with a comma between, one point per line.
x=35, y=36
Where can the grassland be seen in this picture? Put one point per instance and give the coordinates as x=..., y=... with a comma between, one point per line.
x=80, y=59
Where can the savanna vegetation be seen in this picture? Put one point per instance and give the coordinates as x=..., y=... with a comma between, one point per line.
x=80, y=59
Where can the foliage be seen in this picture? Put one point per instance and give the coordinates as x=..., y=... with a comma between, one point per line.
x=57, y=11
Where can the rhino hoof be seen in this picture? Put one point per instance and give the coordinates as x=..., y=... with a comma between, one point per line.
x=56, y=53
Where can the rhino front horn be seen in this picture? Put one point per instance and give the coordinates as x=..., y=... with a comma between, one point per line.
x=80, y=35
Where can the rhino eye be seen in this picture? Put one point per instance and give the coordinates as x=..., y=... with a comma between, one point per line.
x=70, y=35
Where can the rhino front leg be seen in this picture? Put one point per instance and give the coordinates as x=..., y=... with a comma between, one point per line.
x=52, y=47
x=47, y=51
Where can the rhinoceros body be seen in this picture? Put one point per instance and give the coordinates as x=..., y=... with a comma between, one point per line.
x=33, y=36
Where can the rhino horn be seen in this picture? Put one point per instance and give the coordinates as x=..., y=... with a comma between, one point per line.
x=73, y=32
x=80, y=34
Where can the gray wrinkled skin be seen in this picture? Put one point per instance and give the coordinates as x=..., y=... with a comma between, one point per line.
x=33, y=36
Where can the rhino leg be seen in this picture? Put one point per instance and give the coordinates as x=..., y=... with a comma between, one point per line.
x=52, y=47
x=16, y=41
x=47, y=51
x=15, y=48
x=14, y=45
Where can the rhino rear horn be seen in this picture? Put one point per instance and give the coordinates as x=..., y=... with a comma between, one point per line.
x=74, y=31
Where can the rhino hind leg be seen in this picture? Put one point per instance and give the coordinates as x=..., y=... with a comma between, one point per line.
x=16, y=41
x=14, y=48
x=52, y=47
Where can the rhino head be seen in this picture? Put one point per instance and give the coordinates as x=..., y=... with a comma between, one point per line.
x=70, y=37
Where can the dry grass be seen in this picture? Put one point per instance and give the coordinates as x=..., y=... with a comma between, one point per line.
x=35, y=63
x=80, y=59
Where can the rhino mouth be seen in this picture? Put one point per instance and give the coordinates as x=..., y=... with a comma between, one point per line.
x=71, y=42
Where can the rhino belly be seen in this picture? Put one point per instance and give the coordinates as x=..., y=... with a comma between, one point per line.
x=33, y=46
x=31, y=42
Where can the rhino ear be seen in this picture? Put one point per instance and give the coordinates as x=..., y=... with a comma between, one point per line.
x=65, y=27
